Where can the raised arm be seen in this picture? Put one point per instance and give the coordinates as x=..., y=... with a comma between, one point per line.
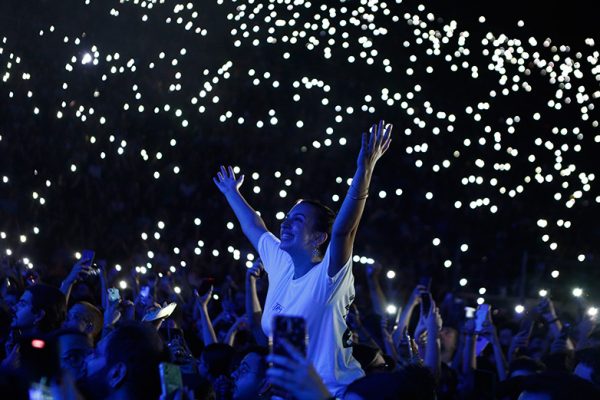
x=490, y=333
x=406, y=314
x=253, y=308
x=344, y=229
x=206, y=327
x=433, y=359
x=252, y=224
x=80, y=270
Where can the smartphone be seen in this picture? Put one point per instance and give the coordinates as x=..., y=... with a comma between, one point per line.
x=425, y=303
x=481, y=315
x=293, y=330
x=469, y=312
x=425, y=281
x=170, y=378
x=113, y=295
x=88, y=255
x=160, y=313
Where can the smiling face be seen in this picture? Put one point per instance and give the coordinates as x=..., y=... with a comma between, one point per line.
x=297, y=232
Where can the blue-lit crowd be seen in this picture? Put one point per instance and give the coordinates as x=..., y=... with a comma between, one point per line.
x=302, y=322
x=74, y=341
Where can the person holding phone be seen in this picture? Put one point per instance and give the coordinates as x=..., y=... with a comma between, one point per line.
x=310, y=265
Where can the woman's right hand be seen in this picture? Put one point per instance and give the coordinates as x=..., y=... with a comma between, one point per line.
x=226, y=180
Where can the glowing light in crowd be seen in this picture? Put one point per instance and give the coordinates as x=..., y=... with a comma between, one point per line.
x=519, y=309
x=484, y=169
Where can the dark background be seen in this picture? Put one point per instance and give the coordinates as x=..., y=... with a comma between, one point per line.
x=108, y=203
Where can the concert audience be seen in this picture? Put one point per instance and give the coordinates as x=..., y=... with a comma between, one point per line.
x=100, y=349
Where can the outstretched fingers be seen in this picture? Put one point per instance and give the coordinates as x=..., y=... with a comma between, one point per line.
x=231, y=173
x=387, y=138
x=372, y=137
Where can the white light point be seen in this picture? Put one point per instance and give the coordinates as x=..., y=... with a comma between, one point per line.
x=519, y=309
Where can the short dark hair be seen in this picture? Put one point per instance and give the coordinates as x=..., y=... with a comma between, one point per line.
x=141, y=349
x=324, y=218
x=50, y=300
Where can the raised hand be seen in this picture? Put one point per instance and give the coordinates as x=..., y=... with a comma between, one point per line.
x=546, y=309
x=519, y=341
x=434, y=320
x=256, y=271
x=80, y=270
x=296, y=375
x=374, y=145
x=202, y=300
x=415, y=296
x=111, y=312
x=226, y=180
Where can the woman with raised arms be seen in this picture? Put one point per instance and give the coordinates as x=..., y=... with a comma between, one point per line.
x=310, y=265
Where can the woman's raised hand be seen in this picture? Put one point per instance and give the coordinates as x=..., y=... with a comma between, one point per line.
x=374, y=145
x=226, y=180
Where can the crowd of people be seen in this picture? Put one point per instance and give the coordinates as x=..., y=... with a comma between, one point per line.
x=76, y=342
x=294, y=327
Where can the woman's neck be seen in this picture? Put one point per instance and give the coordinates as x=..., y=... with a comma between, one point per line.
x=303, y=263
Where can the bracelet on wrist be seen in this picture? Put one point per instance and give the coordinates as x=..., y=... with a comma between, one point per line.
x=354, y=193
x=362, y=196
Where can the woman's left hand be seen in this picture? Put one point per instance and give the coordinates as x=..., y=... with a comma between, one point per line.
x=374, y=145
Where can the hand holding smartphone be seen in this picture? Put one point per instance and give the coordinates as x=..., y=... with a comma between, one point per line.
x=87, y=257
x=113, y=295
x=293, y=330
x=425, y=281
x=481, y=316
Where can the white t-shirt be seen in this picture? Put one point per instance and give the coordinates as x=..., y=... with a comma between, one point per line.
x=322, y=301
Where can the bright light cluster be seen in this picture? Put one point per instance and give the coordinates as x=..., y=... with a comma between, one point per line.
x=495, y=147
